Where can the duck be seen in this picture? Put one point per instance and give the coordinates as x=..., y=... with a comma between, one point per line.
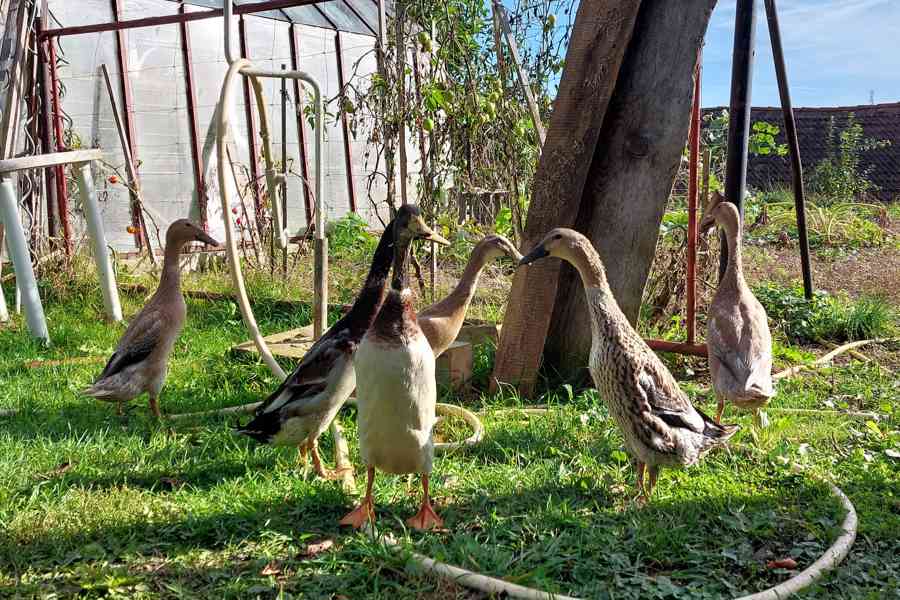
x=442, y=321
x=659, y=424
x=738, y=340
x=303, y=406
x=140, y=361
x=397, y=391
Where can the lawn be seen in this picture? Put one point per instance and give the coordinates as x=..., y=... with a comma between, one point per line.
x=93, y=504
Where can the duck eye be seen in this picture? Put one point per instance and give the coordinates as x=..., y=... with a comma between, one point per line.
x=558, y=236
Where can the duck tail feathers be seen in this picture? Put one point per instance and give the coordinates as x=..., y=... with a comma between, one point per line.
x=261, y=428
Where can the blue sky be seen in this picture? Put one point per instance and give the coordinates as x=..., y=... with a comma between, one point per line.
x=837, y=51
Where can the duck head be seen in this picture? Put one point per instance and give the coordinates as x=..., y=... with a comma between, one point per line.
x=409, y=225
x=495, y=246
x=560, y=242
x=720, y=211
x=183, y=231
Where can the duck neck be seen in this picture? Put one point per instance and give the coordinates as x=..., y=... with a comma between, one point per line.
x=171, y=273
x=402, y=250
x=586, y=260
x=372, y=293
x=464, y=291
x=734, y=270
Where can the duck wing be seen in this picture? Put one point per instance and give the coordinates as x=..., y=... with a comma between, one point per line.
x=303, y=388
x=141, y=338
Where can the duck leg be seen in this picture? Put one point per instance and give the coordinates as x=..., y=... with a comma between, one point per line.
x=366, y=510
x=302, y=456
x=154, y=407
x=653, y=472
x=321, y=471
x=642, y=493
x=426, y=518
x=720, y=409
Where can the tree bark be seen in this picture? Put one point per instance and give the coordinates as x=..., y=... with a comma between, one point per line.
x=602, y=31
x=633, y=170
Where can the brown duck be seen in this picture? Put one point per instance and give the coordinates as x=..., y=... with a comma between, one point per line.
x=442, y=321
x=660, y=425
x=738, y=339
x=141, y=358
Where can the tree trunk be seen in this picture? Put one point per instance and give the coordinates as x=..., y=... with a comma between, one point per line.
x=600, y=37
x=633, y=170
x=629, y=148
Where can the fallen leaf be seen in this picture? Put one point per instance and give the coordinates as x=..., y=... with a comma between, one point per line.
x=782, y=563
x=273, y=568
x=59, y=470
x=318, y=548
x=892, y=453
x=171, y=482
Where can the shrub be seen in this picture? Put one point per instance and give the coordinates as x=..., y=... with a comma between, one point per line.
x=825, y=317
x=349, y=236
x=841, y=176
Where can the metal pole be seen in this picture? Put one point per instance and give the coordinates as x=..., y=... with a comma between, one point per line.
x=692, y=207
x=97, y=235
x=739, y=112
x=21, y=259
x=142, y=235
x=46, y=123
x=193, y=129
x=301, y=130
x=284, y=169
x=401, y=100
x=790, y=134
x=345, y=125
x=62, y=193
x=320, y=308
x=251, y=129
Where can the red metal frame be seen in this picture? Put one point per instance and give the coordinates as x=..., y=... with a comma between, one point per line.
x=345, y=125
x=694, y=143
x=240, y=9
x=193, y=128
x=301, y=126
x=62, y=194
x=690, y=347
x=253, y=134
x=127, y=109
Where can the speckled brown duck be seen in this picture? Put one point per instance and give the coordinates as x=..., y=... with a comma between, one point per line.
x=656, y=418
x=141, y=358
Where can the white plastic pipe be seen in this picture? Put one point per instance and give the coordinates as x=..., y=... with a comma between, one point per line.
x=98, y=242
x=21, y=259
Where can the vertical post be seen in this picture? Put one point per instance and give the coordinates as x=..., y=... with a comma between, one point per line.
x=98, y=241
x=284, y=168
x=790, y=134
x=46, y=120
x=301, y=128
x=137, y=220
x=251, y=129
x=21, y=259
x=694, y=159
x=320, y=308
x=62, y=193
x=193, y=128
x=345, y=125
x=739, y=112
x=399, y=16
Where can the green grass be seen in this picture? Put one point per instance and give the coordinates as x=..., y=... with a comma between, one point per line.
x=94, y=505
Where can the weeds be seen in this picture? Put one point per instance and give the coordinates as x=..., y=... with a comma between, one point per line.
x=825, y=317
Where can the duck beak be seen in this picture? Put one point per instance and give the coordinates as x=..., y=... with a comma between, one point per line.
x=427, y=233
x=206, y=239
x=538, y=253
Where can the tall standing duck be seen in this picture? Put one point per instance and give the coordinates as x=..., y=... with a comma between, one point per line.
x=303, y=406
x=657, y=420
x=141, y=358
x=397, y=391
x=442, y=321
x=738, y=340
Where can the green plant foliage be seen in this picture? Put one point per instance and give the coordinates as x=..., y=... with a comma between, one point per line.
x=350, y=236
x=825, y=317
x=841, y=176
